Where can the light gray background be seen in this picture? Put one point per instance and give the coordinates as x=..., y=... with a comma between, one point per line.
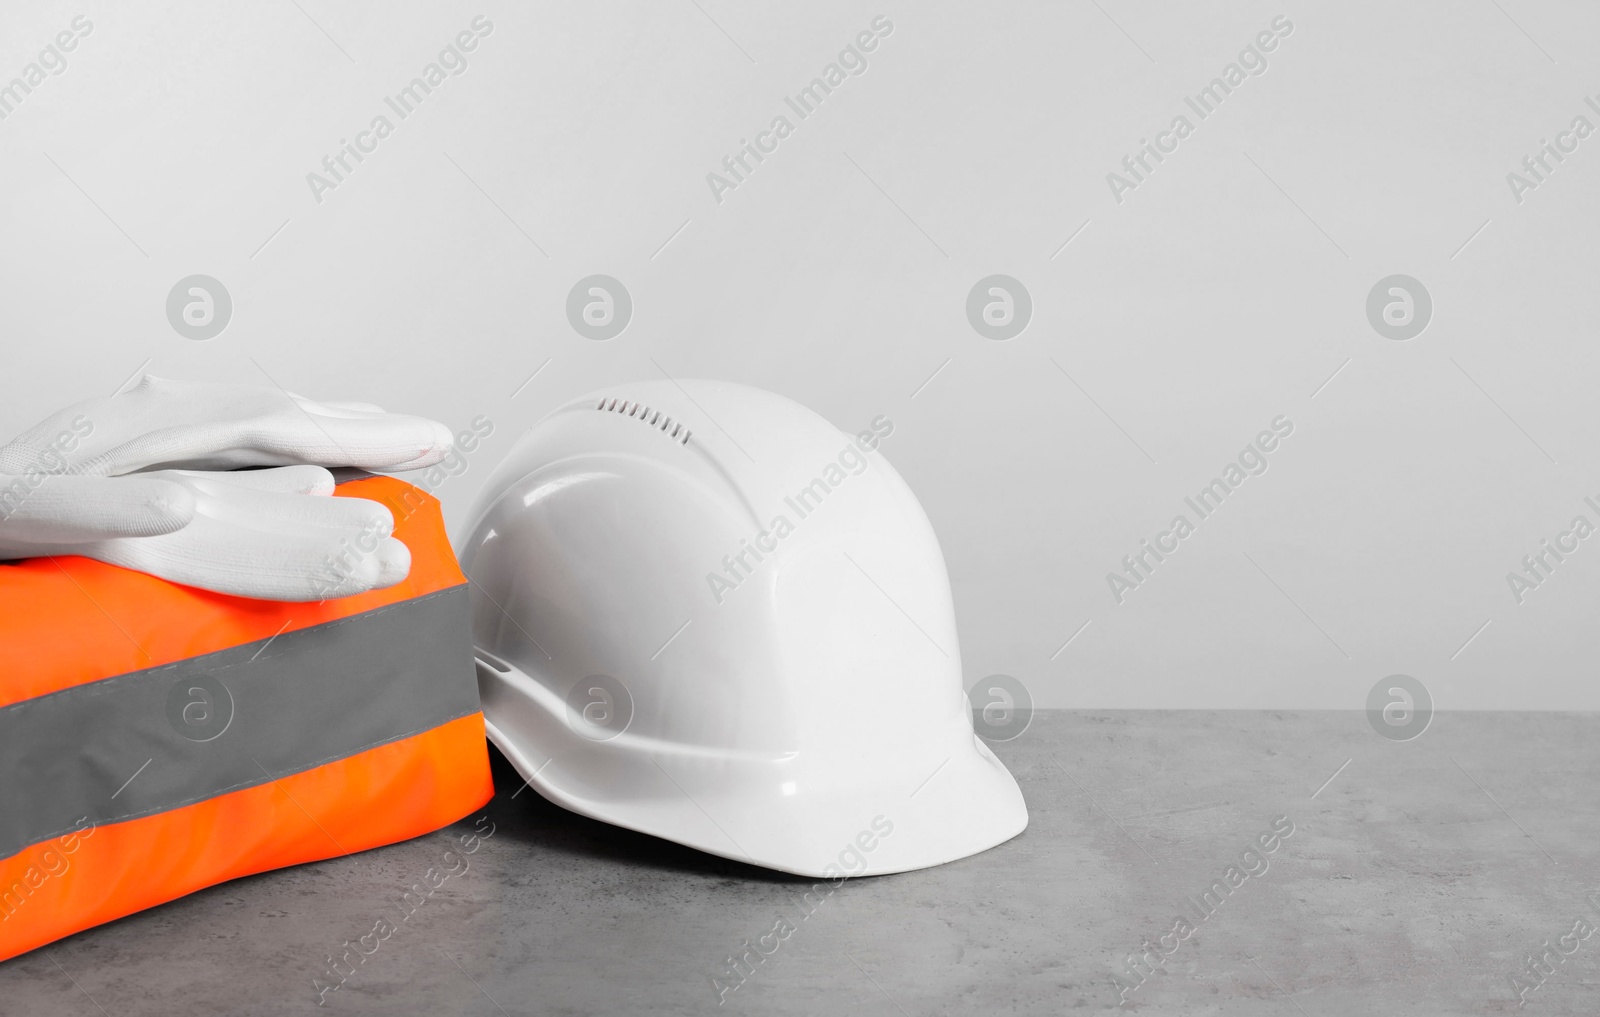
x=1224, y=291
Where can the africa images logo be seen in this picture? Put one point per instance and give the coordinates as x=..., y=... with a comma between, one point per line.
x=1252, y=462
x=1252, y=62
x=852, y=461
x=451, y=63
x=52, y=59
x=852, y=63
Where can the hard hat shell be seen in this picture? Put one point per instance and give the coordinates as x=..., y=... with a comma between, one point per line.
x=703, y=612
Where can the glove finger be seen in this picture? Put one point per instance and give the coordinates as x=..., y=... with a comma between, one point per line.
x=392, y=441
x=288, y=514
x=49, y=509
x=301, y=480
x=306, y=565
x=55, y=444
x=336, y=409
x=200, y=425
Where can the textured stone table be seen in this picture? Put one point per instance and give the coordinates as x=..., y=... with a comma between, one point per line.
x=1415, y=881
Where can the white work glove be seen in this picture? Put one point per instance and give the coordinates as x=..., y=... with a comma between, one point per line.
x=270, y=534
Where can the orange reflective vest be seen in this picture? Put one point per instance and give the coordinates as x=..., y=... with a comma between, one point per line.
x=156, y=739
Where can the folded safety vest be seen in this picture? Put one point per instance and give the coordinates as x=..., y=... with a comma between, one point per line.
x=156, y=739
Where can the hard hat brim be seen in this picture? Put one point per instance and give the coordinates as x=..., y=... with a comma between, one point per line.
x=956, y=802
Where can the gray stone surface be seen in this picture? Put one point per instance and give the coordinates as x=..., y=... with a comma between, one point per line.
x=1414, y=883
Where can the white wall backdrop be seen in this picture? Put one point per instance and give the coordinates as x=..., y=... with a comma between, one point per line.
x=1225, y=290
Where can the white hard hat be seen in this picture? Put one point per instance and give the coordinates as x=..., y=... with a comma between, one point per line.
x=704, y=613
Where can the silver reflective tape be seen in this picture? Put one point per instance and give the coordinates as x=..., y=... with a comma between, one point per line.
x=155, y=740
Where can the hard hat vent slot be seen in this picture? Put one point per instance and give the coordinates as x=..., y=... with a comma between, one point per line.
x=655, y=418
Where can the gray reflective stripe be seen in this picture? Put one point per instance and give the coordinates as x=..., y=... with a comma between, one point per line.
x=298, y=700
